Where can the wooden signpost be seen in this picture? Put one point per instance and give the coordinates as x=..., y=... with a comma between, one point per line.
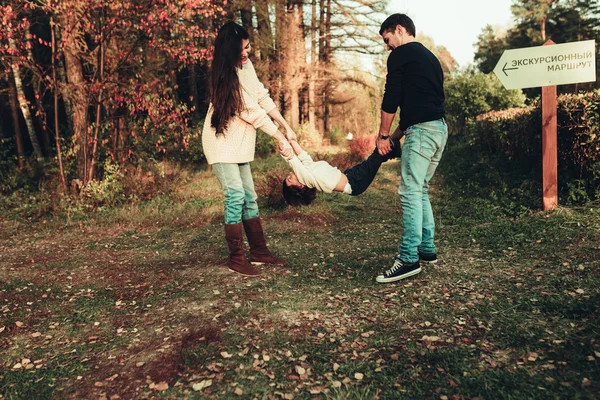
x=547, y=66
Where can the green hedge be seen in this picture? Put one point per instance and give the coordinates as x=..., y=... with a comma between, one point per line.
x=517, y=133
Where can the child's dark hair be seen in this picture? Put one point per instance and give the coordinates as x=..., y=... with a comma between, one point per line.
x=296, y=196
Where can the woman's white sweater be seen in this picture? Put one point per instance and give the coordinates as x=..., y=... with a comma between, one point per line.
x=238, y=143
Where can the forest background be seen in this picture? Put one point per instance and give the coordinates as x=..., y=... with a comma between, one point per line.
x=99, y=99
x=112, y=260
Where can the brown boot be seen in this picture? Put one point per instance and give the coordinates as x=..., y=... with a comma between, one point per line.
x=237, y=257
x=259, y=253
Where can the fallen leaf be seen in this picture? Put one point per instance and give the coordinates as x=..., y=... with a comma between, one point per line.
x=336, y=366
x=161, y=386
x=585, y=382
x=300, y=370
x=36, y=334
x=580, y=291
x=336, y=384
x=19, y=324
x=532, y=357
x=202, y=384
x=225, y=354
x=238, y=391
x=358, y=376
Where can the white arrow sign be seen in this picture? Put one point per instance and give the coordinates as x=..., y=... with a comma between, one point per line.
x=557, y=64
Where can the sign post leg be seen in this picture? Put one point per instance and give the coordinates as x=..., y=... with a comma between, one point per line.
x=549, y=148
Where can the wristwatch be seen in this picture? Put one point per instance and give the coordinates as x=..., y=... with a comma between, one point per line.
x=384, y=137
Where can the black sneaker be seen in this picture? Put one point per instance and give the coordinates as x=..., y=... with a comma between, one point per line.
x=428, y=258
x=399, y=270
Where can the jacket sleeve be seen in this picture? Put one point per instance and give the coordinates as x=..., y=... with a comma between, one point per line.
x=300, y=165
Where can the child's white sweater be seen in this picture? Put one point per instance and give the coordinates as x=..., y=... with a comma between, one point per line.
x=315, y=174
x=238, y=143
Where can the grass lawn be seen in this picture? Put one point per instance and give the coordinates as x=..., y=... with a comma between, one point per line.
x=136, y=301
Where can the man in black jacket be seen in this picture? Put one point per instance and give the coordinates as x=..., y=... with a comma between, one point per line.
x=415, y=83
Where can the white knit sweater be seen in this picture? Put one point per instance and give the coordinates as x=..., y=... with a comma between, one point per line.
x=315, y=174
x=238, y=143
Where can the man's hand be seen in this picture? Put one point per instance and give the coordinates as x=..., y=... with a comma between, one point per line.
x=383, y=146
x=286, y=150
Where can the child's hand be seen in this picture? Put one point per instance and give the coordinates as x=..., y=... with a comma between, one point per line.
x=286, y=150
x=290, y=135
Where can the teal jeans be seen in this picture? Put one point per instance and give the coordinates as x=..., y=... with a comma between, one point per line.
x=238, y=188
x=424, y=145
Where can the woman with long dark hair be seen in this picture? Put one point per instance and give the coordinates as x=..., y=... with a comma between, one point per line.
x=239, y=104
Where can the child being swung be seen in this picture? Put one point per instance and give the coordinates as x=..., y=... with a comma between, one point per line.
x=308, y=177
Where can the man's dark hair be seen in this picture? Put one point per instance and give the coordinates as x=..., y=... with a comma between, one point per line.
x=296, y=196
x=398, y=19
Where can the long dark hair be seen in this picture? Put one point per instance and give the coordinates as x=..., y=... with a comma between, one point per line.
x=225, y=91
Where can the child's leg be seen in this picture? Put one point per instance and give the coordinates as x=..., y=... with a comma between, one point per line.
x=361, y=175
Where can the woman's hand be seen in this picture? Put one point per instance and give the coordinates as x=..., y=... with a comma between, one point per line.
x=290, y=134
x=286, y=150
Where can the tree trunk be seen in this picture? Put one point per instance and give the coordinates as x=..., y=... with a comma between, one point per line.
x=94, y=157
x=277, y=68
x=321, y=72
x=61, y=70
x=297, y=60
x=75, y=92
x=312, y=71
x=37, y=151
x=324, y=60
x=16, y=123
x=61, y=170
x=264, y=35
x=246, y=15
x=543, y=23
x=41, y=112
x=122, y=139
x=193, y=82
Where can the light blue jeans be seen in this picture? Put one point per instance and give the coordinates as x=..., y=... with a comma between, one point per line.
x=424, y=144
x=238, y=188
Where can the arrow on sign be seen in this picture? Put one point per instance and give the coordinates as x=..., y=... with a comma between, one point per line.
x=504, y=69
x=558, y=64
